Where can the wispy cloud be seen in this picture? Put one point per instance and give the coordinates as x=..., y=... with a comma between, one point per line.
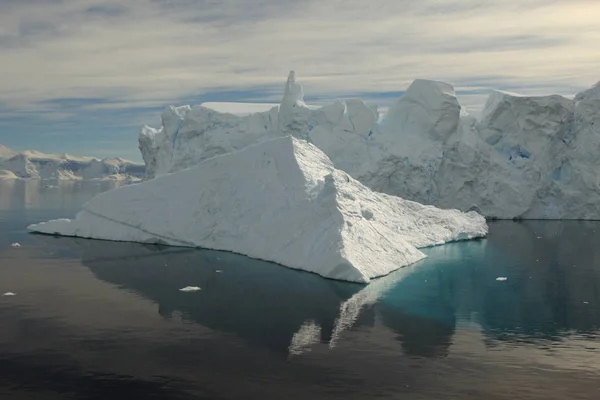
x=102, y=62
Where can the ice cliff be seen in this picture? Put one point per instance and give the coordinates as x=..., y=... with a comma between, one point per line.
x=36, y=165
x=527, y=157
x=280, y=200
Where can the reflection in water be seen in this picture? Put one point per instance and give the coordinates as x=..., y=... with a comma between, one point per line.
x=415, y=302
x=290, y=311
x=553, y=286
x=260, y=302
x=308, y=335
x=285, y=310
x=369, y=295
x=554, y=281
x=442, y=328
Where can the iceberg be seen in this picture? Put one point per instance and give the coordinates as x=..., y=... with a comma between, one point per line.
x=280, y=200
x=35, y=165
x=527, y=157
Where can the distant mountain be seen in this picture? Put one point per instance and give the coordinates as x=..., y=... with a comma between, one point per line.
x=36, y=165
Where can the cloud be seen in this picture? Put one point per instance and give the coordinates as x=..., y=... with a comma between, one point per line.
x=78, y=60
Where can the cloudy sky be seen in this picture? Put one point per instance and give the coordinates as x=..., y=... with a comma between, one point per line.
x=82, y=76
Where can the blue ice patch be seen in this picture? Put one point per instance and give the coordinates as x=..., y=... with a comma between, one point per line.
x=557, y=174
x=518, y=152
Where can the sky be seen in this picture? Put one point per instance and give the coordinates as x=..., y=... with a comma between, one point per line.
x=82, y=76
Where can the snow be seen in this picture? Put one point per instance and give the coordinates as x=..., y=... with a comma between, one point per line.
x=7, y=175
x=428, y=108
x=280, y=200
x=190, y=289
x=5, y=152
x=529, y=157
x=35, y=165
x=239, y=109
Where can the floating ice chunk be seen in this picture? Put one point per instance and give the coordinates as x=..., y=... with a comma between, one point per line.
x=188, y=289
x=9, y=294
x=502, y=278
x=280, y=200
x=15, y=245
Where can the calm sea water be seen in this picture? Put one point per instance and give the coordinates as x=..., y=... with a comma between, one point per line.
x=102, y=320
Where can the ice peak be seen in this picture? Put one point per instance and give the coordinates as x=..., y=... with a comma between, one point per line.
x=592, y=93
x=419, y=86
x=429, y=107
x=293, y=92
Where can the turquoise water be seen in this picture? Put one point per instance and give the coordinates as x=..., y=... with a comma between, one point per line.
x=97, y=320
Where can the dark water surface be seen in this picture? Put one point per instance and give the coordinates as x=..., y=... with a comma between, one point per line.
x=102, y=320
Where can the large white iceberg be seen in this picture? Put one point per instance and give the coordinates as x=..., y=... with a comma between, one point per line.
x=527, y=157
x=280, y=200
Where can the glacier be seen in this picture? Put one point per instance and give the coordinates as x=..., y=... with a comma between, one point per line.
x=526, y=157
x=31, y=164
x=278, y=200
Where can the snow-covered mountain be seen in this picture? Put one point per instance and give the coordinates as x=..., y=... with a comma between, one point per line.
x=36, y=165
x=527, y=157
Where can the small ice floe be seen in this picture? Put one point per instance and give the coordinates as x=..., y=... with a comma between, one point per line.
x=586, y=302
x=501, y=278
x=15, y=245
x=539, y=237
x=219, y=271
x=190, y=289
x=9, y=294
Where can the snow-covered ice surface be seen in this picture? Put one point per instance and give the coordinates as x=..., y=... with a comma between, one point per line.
x=35, y=165
x=280, y=200
x=527, y=157
x=240, y=109
x=7, y=175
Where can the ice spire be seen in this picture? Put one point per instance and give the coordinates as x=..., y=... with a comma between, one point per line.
x=293, y=92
